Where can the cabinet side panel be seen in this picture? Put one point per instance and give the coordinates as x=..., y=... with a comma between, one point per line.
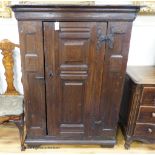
x=31, y=46
x=125, y=102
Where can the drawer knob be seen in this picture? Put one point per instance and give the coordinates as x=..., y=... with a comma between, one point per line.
x=153, y=114
x=149, y=130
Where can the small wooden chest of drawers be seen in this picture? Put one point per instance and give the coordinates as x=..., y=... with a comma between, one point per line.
x=137, y=114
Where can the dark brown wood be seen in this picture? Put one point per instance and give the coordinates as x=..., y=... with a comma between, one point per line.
x=82, y=12
x=72, y=49
x=31, y=40
x=146, y=114
x=115, y=59
x=145, y=130
x=148, y=96
x=73, y=76
x=137, y=114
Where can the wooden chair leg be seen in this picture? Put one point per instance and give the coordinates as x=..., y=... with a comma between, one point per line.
x=20, y=126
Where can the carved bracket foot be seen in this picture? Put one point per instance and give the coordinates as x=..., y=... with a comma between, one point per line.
x=127, y=143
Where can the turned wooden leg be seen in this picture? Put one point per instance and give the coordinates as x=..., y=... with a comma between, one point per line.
x=20, y=125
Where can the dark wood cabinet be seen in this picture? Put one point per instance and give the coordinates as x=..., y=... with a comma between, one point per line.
x=73, y=63
x=137, y=114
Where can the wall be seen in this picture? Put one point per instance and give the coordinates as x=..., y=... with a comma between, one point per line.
x=142, y=47
x=9, y=30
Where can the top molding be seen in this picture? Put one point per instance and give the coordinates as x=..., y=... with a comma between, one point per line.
x=75, y=12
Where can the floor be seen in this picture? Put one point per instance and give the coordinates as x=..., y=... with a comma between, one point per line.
x=9, y=143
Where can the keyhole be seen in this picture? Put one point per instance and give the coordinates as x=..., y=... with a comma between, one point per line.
x=50, y=74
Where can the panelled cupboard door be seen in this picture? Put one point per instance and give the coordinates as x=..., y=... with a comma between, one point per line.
x=74, y=70
x=31, y=47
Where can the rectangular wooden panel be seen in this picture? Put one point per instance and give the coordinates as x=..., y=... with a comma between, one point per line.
x=115, y=59
x=116, y=63
x=73, y=52
x=31, y=57
x=70, y=59
x=72, y=102
x=146, y=115
x=145, y=131
x=35, y=105
x=148, y=96
x=31, y=62
x=74, y=47
x=33, y=76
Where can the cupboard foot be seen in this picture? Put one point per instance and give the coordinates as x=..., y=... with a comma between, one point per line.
x=106, y=146
x=23, y=147
x=127, y=144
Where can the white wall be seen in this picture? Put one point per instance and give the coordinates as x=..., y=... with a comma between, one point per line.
x=9, y=30
x=142, y=47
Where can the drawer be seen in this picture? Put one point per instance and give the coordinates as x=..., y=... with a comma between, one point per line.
x=148, y=96
x=146, y=115
x=145, y=131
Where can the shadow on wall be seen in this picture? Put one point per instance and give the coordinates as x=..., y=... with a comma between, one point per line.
x=142, y=46
x=17, y=71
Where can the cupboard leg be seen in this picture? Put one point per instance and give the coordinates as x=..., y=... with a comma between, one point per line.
x=23, y=147
x=127, y=144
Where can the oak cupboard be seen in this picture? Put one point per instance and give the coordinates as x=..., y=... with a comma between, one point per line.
x=73, y=62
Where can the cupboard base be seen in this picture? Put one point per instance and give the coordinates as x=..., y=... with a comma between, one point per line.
x=37, y=142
